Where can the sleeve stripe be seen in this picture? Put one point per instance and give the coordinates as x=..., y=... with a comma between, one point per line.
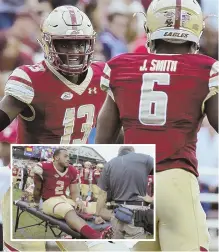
x=214, y=75
x=104, y=83
x=21, y=73
x=16, y=78
x=20, y=91
x=107, y=70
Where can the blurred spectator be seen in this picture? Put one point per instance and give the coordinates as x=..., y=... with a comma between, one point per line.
x=98, y=52
x=209, y=41
x=8, y=11
x=18, y=48
x=146, y=3
x=113, y=38
x=207, y=159
x=140, y=45
x=57, y=3
x=136, y=23
x=210, y=7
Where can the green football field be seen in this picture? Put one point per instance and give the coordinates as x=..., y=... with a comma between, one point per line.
x=36, y=232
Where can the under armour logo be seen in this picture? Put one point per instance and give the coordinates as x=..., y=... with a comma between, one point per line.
x=92, y=90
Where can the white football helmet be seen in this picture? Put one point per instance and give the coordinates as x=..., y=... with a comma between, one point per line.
x=100, y=166
x=175, y=21
x=87, y=164
x=69, y=23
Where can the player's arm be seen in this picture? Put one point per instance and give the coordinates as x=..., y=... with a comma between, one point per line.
x=74, y=191
x=211, y=110
x=38, y=185
x=38, y=182
x=108, y=123
x=10, y=107
x=75, y=196
x=104, y=187
x=74, y=186
x=19, y=94
x=210, y=104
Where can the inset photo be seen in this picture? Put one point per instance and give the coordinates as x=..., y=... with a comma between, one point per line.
x=83, y=192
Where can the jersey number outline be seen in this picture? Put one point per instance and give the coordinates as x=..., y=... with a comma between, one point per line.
x=59, y=190
x=153, y=100
x=87, y=111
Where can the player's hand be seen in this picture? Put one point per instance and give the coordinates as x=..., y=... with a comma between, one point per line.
x=146, y=198
x=99, y=220
x=79, y=206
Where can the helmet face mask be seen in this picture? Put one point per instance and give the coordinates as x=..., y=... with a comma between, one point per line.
x=174, y=21
x=63, y=32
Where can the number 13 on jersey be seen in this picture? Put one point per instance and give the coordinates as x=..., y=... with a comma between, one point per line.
x=71, y=115
x=153, y=104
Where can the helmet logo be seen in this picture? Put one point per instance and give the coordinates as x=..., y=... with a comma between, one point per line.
x=185, y=18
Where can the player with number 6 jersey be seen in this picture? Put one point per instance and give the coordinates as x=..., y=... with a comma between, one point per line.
x=161, y=98
x=58, y=99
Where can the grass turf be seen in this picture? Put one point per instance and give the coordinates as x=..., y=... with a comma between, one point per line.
x=36, y=232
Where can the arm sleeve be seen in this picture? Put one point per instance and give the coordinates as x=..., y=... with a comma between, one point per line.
x=103, y=182
x=19, y=85
x=212, y=83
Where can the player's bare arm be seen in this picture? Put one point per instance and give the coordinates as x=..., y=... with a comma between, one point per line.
x=75, y=195
x=74, y=192
x=101, y=201
x=37, y=188
x=10, y=107
x=211, y=110
x=109, y=119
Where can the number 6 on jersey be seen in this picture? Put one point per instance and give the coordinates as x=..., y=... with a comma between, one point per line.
x=153, y=104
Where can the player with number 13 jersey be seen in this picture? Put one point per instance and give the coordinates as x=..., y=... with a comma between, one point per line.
x=59, y=98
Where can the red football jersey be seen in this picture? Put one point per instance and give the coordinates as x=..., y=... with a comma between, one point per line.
x=61, y=112
x=86, y=176
x=96, y=176
x=55, y=182
x=161, y=100
x=15, y=171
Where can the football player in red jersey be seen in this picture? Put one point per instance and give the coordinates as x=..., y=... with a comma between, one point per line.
x=86, y=179
x=96, y=176
x=162, y=98
x=51, y=179
x=57, y=99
